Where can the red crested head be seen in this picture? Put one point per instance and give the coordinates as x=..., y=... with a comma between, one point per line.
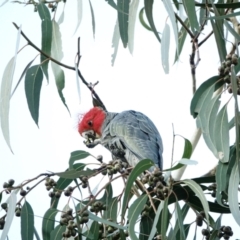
x=92, y=120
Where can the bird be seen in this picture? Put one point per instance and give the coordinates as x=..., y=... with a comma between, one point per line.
x=129, y=135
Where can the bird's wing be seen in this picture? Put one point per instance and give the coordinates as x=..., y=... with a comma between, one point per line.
x=138, y=133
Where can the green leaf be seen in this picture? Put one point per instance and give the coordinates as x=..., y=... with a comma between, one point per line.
x=62, y=183
x=77, y=155
x=11, y=201
x=94, y=229
x=156, y=219
x=168, y=6
x=123, y=13
x=36, y=234
x=6, y=87
x=217, y=27
x=5, y=99
x=133, y=8
x=22, y=75
x=104, y=221
x=181, y=39
x=180, y=219
x=222, y=135
x=222, y=182
x=93, y=18
x=33, y=84
x=219, y=5
x=79, y=14
x=199, y=193
x=148, y=4
x=201, y=90
x=192, y=16
x=137, y=170
x=133, y=213
x=48, y=223
x=187, y=152
x=57, y=54
x=214, y=235
x=233, y=193
x=72, y=174
x=43, y=11
x=165, y=219
x=115, y=42
x=236, y=110
x=56, y=234
x=142, y=21
x=165, y=48
x=46, y=35
x=27, y=221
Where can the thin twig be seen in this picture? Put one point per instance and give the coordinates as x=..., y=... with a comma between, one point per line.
x=63, y=65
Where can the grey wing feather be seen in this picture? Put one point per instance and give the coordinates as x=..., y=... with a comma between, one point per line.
x=138, y=134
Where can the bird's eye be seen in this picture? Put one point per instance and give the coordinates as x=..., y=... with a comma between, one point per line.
x=90, y=123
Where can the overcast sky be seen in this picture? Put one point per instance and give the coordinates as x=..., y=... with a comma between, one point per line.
x=135, y=82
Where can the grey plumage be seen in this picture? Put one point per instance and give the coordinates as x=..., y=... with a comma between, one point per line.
x=134, y=134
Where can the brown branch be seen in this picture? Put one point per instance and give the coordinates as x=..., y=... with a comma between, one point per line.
x=183, y=24
x=89, y=85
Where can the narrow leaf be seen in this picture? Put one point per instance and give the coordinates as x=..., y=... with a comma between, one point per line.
x=58, y=55
x=181, y=39
x=199, y=193
x=165, y=48
x=191, y=13
x=5, y=95
x=142, y=21
x=22, y=75
x=198, y=94
x=48, y=223
x=93, y=18
x=77, y=155
x=56, y=234
x=27, y=222
x=33, y=84
x=79, y=15
x=138, y=169
x=148, y=4
x=115, y=42
x=46, y=35
x=133, y=213
x=123, y=13
x=72, y=174
x=94, y=229
x=222, y=135
x=171, y=14
x=233, y=193
x=157, y=216
x=131, y=24
x=104, y=221
x=12, y=200
x=77, y=83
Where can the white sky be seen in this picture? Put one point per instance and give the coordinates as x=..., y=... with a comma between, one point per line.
x=135, y=82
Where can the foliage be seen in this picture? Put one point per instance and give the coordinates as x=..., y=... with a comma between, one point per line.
x=145, y=202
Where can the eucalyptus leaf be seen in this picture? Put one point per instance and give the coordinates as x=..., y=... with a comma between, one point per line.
x=33, y=85
x=27, y=222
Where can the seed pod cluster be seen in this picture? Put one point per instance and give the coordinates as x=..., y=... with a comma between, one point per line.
x=225, y=232
x=66, y=217
x=68, y=191
x=84, y=180
x=213, y=188
x=206, y=233
x=225, y=71
x=50, y=183
x=8, y=185
x=116, y=166
x=18, y=211
x=4, y=206
x=70, y=229
x=153, y=177
x=97, y=207
x=199, y=218
x=2, y=222
x=84, y=217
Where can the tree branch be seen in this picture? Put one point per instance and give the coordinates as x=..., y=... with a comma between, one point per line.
x=89, y=85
